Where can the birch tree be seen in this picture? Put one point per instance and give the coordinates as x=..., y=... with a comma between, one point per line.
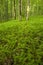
x=28, y=9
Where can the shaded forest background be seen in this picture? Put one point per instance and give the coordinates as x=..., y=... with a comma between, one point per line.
x=20, y=9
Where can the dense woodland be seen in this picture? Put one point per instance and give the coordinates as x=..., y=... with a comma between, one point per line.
x=21, y=32
x=20, y=9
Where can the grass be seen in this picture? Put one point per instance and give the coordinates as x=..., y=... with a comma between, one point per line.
x=21, y=42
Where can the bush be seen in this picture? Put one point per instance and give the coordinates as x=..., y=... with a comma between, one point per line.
x=21, y=43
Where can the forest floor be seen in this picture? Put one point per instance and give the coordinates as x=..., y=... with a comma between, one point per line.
x=36, y=20
x=22, y=42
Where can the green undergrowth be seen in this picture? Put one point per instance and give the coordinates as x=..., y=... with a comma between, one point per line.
x=21, y=43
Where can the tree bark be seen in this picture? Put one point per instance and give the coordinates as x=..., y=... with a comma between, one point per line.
x=20, y=9
x=28, y=9
x=15, y=9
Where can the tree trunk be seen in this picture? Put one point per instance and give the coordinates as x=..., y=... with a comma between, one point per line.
x=14, y=9
x=20, y=9
x=28, y=9
x=11, y=9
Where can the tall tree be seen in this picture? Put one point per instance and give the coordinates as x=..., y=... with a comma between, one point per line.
x=11, y=8
x=14, y=9
x=28, y=9
x=20, y=9
x=6, y=9
x=0, y=10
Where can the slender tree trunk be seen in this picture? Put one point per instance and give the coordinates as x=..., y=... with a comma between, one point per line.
x=20, y=9
x=28, y=9
x=0, y=10
x=14, y=9
x=5, y=8
x=11, y=8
